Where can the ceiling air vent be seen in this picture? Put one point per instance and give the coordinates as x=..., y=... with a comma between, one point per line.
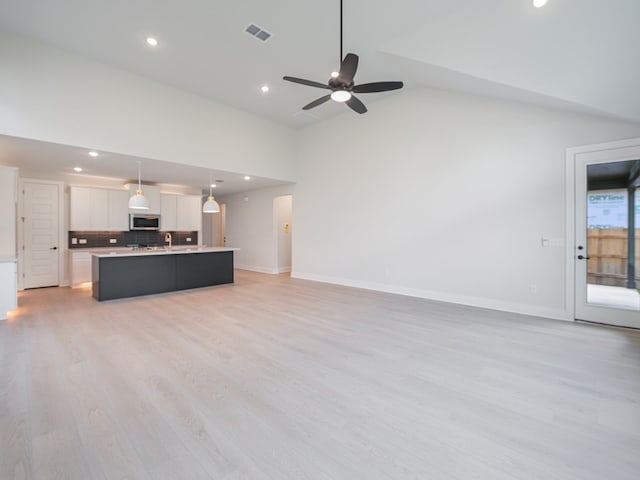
x=256, y=31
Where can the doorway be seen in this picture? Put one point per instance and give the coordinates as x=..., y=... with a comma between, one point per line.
x=607, y=221
x=39, y=230
x=213, y=228
x=282, y=216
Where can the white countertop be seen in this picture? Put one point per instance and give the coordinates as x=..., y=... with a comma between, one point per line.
x=128, y=252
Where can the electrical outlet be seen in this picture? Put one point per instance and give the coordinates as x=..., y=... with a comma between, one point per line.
x=74, y=241
x=188, y=239
x=113, y=240
x=82, y=241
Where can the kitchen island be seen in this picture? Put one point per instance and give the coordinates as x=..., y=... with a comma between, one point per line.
x=118, y=274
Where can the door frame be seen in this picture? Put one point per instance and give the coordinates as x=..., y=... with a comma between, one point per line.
x=570, y=183
x=63, y=280
x=276, y=234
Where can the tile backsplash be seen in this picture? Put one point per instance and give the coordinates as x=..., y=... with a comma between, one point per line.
x=124, y=239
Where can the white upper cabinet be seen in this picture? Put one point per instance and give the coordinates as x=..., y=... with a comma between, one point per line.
x=80, y=208
x=98, y=209
x=168, y=213
x=152, y=193
x=118, y=210
x=189, y=213
x=180, y=213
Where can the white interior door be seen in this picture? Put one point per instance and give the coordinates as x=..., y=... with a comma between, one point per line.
x=599, y=295
x=40, y=238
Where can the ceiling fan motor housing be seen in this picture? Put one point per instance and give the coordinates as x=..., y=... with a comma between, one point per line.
x=338, y=84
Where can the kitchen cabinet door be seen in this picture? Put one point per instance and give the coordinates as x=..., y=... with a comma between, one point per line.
x=80, y=208
x=118, y=210
x=8, y=200
x=80, y=268
x=8, y=289
x=168, y=212
x=99, y=209
x=189, y=213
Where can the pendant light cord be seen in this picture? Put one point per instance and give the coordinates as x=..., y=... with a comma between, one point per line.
x=139, y=175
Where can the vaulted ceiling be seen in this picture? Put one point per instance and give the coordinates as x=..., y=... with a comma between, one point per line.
x=579, y=55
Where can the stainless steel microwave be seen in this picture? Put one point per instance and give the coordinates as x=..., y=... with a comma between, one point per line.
x=141, y=221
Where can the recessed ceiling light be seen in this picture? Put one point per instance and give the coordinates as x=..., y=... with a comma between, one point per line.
x=247, y=177
x=93, y=153
x=334, y=74
x=264, y=89
x=77, y=169
x=152, y=41
x=539, y=3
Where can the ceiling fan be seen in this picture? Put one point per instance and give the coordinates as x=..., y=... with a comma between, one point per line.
x=341, y=84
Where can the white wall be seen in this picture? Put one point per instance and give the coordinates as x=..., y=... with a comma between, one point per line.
x=55, y=96
x=442, y=195
x=250, y=226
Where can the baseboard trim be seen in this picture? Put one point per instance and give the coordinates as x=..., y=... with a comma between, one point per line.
x=253, y=268
x=479, y=302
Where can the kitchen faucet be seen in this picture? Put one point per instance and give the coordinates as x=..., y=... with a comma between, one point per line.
x=167, y=238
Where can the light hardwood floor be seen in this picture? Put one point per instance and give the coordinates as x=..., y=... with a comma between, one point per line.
x=276, y=378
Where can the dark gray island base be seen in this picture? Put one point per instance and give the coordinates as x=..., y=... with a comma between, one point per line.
x=132, y=275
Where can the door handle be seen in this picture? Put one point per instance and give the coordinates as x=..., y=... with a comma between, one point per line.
x=582, y=257
x=53, y=248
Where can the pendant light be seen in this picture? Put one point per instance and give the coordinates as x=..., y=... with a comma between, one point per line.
x=210, y=206
x=139, y=201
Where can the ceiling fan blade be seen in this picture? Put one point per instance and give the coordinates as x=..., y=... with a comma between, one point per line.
x=309, y=83
x=348, y=68
x=317, y=102
x=377, y=87
x=356, y=105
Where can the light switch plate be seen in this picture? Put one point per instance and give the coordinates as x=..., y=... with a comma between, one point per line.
x=82, y=241
x=74, y=241
x=113, y=240
x=552, y=242
x=188, y=239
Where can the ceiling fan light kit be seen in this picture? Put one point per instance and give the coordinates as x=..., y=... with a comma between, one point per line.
x=340, y=96
x=341, y=84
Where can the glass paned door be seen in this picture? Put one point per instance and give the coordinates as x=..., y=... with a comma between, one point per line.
x=607, y=238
